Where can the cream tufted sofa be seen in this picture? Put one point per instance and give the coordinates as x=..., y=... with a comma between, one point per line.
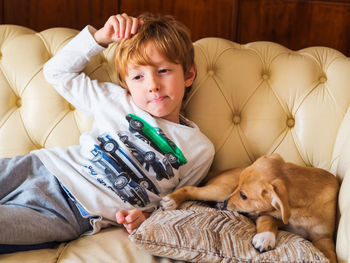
x=249, y=99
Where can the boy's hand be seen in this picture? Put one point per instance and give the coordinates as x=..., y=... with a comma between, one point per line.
x=116, y=28
x=131, y=219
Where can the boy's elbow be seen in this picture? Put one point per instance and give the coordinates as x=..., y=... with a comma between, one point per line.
x=46, y=71
x=49, y=73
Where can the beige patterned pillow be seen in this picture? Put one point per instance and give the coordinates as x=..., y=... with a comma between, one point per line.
x=198, y=233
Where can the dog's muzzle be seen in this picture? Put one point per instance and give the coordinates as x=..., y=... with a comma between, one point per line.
x=222, y=205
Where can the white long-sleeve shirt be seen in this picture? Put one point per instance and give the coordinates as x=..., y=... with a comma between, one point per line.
x=129, y=159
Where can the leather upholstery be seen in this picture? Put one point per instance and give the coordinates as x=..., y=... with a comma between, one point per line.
x=250, y=100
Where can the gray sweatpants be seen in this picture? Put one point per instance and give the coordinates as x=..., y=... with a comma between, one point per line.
x=33, y=206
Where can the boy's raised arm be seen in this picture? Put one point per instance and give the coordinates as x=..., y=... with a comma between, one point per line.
x=116, y=28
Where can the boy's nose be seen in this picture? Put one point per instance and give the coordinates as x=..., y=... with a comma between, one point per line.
x=153, y=89
x=153, y=85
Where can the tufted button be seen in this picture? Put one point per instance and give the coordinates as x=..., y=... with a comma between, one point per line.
x=19, y=102
x=0, y=55
x=71, y=107
x=323, y=79
x=290, y=122
x=236, y=119
x=265, y=76
x=211, y=73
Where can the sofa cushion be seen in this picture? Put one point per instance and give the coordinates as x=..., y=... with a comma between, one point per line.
x=110, y=245
x=198, y=233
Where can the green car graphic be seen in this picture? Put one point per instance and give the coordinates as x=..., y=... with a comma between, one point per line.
x=155, y=137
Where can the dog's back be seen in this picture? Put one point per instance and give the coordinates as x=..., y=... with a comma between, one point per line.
x=312, y=194
x=309, y=184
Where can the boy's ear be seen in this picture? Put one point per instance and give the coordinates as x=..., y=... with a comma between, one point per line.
x=190, y=76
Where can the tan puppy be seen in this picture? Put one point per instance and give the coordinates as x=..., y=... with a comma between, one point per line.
x=298, y=199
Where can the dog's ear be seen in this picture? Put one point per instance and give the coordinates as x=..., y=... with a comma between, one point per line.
x=276, y=193
x=276, y=156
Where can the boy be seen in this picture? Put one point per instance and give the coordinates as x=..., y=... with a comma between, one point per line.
x=139, y=149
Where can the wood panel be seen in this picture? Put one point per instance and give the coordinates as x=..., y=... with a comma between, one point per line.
x=203, y=17
x=293, y=23
x=1, y=12
x=296, y=24
x=43, y=14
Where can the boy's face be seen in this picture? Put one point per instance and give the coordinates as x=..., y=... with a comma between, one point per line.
x=158, y=88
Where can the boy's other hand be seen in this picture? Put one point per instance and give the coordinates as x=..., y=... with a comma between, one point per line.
x=131, y=219
x=116, y=28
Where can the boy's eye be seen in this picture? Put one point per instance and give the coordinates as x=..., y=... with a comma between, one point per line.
x=138, y=77
x=163, y=70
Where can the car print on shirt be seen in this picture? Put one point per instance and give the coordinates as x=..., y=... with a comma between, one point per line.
x=125, y=163
x=117, y=180
x=155, y=137
x=148, y=159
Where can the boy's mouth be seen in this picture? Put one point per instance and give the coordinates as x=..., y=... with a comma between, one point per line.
x=158, y=99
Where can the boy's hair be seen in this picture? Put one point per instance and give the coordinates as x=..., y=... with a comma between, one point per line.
x=170, y=37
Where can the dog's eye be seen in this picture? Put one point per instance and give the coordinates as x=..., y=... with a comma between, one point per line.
x=243, y=196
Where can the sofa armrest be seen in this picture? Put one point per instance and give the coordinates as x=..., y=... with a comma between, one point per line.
x=341, y=168
x=343, y=233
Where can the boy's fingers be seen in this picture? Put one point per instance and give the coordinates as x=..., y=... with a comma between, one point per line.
x=122, y=24
x=132, y=216
x=131, y=219
x=135, y=25
x=128, y=27
x=112, y=27
x=120, y=216
x=133, y=225
x=116, y=26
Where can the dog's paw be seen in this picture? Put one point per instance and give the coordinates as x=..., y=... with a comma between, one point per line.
x=168, y=203
x=264, y=241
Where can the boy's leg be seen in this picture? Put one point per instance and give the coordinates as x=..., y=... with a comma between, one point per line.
x=9, y=179
x=34, y=209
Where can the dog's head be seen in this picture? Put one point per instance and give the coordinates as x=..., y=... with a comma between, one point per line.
x=261, y=190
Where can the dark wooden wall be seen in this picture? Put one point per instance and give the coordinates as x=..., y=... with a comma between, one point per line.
x=293, y=23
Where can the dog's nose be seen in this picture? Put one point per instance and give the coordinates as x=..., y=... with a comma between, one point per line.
x=222, y=205
x=244, y=213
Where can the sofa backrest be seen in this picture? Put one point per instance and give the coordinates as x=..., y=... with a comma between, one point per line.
x=261, y=97
x=250, y=99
